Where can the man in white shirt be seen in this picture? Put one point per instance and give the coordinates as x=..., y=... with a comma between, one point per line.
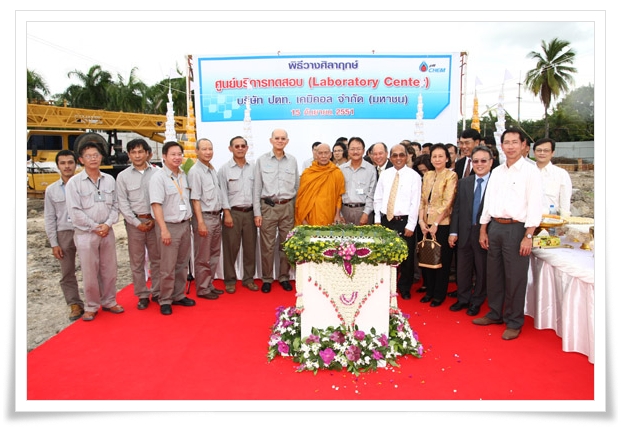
x=512, y=211
x=405, y=209
x=307, y=163
x=555, y=180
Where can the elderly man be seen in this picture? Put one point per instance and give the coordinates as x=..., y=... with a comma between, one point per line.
x=396, y=206
x=319, y=197
x=274, y=190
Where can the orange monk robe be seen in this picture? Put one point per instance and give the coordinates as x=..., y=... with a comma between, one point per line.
x=319, y=194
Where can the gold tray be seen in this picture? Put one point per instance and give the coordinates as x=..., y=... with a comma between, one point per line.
x=545, y=225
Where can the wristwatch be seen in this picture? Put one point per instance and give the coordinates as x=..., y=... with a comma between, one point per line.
x=529, y=236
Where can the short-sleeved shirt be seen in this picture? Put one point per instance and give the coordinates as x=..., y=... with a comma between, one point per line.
x=55, y=212
x=275, y=178
x=133, y=192
x=172, y=192
x=204, y=187
x=360, y=185
x=237, y=184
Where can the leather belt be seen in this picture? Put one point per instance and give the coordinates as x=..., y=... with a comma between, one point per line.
x=212, y=212
x=397, y=217
x=281, y=202
x=354, y=205
x=505, y=220
x=243, y=209
x=179, y=222
x=144, y=216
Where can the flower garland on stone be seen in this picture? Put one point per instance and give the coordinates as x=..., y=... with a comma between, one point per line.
x=336, y=348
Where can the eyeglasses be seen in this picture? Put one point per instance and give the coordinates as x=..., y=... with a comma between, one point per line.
x=239, y=146
x=543, y=151
x=398, y=155
x=91, y=157
x=476, y=161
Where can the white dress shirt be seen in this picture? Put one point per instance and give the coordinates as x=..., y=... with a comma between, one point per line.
x=557, y=188
x=408, y=195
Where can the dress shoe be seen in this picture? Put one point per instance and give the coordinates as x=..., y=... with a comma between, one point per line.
x=453, y=294
x=406, y=296
x=458, y=306
x=425, y=299
x=143, y=303
x=436, y=303
x=208, y=296
x=473, y=310
x=510, y=333
x=116, y=309
x=251, y=286
x=166, y=309
x=421, y=290
x=287, y=286
x=486, y=321
x=217, y=291
x=89, y=316
x=184, y=302
x=76, y=312
x=155, y=299
x=266, y=287
x=230, y=288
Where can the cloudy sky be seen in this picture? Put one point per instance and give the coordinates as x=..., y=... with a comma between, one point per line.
x=156, y=43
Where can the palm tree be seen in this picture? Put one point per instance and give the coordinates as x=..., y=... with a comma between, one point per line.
x=552, y=75
x=36, y=87
x=128, y=97
x=92, y=92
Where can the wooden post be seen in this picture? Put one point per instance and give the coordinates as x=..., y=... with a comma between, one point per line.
x=579, y=164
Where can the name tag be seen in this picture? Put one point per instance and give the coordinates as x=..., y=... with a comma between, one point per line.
x=182, y=207
x=360, y=191
x=98, y=197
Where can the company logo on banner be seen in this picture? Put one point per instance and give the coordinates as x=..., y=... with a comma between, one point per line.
x=300, y=87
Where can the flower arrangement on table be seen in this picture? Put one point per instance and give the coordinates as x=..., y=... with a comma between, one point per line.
x=336, y=348
x=347, y=245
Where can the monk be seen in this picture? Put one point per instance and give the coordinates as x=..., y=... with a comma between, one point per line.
x=318, y=202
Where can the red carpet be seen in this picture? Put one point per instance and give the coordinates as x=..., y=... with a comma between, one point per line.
x=217, y=351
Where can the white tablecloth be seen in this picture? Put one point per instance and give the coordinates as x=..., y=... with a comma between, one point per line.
x=560, y=295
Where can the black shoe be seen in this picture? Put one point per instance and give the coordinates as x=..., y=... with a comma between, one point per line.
x=458, y=306
x=184, y=302
x=155, y=299
x=436, y=303
x=208, y=296
x=143, y=303
x=425, y=299
x=473, y=310
x=421, y=290
x=406, y=296
x=217, y=291
x=166, y=310
x=453, y=294
x=266, y=287
x=286, y=285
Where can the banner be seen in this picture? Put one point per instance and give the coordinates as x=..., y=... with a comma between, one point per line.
x=322, y=97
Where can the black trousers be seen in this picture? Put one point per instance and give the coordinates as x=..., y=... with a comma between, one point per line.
x=406, y=269
x=437, y=280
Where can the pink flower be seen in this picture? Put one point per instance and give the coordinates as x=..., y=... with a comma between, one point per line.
x=384, y=341
x=283, y=348
x=359, y=335
x=353, y=353
x=377, y=355
x=328, y=355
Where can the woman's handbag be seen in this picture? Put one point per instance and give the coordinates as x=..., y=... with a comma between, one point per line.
x=429, y=253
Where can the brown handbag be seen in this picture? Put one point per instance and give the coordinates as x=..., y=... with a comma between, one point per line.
x=429, y=253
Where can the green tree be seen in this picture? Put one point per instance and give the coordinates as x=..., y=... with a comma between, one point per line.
x=130, y=97
x=36, y=87
x=158, y=96
x=552, y=75
x=92, y=91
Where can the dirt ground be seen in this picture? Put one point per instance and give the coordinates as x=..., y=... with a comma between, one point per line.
x=47, y=313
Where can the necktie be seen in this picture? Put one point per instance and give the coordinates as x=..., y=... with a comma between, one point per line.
x=467, y=171
x=477, y=199
x=392, y=197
